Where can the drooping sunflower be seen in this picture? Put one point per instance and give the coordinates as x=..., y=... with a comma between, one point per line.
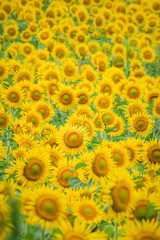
x=44, y=206
x=73, y=139
x=140, y=123
x=65, y=98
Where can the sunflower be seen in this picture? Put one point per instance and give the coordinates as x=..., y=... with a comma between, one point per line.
x=119, y=155
x=27, y=49
x=140, y=123
x=140, y=208
x=87, y=211
x=13, y=96
x=65, y=98
x=130, y=145
x=11, y=31
x=42, y=55
x=3, y=16
x=50, y=72
x=103, y=102
x=135, y=106
x=44, y=35
x=64, y=171
x=109, y=118
x=78, y=231
x=4, y=71
x=89, y=73
x=34, y=117
x=93, y=47
x=5, y=223
x=106, y=86
x=97, y=120
x=84, y=110
x=120, y=195
x=44, y=206
x=82, y=14
x=118, y=128
x=116, y=75
x=85, y=85
x=56, y=155
x=133, y=91
x=151, y=152
x=155, y=6
x=148, y=55
x=142, y=230
x=5, y=119
x=152, y=95
x=59, y=52
x=73, y=139
x=36, y=93
x=84, y=122
x=45, y=109
x=69, y=69
x=102, y=64
x=118, y=61
x=24, y=73
x=156, y=108
x=35, y=168
x=25, y=140
x=100, y=164
x=82, y=50
x=83, y=97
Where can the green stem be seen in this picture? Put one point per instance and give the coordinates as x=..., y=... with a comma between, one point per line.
x=116, y=231
x=43, y=233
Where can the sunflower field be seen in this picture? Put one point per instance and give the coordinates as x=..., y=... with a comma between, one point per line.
x=79, y=119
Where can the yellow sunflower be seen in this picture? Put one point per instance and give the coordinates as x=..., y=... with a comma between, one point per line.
x=141, y=124
x=151, y=152
x=13, y=96
x=87, y=211
x=4, y=71
x=65, y=98
x=5, y=223
x=44, y=206
x=156, y=108
x=103, y=102
x=64, y=171
x=133, y=91
x=100, y=165
x=45, y=109
x=5, y=119
x=148, y=55
x=79, y=230
x=118, y=128
x=35, y=169
x=135, y=106
x=69, y=70
x=73, y=139
x=142, y=230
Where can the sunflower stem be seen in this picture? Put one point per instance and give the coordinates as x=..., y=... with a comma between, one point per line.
x=116, y=231
x=43, y=233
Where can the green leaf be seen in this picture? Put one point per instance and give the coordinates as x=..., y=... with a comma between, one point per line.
x=151, y=211
x=56, y=231
x=110, y=230
x=80, y=165
x=74, y=182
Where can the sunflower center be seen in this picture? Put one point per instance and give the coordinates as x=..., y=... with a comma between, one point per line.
x=66, y=98
x=2, y=121
x=27, y=50
x=46, y=208
x=73, y=139
x=54, y=88
x=33, y=120
x=107, y=118
x=74, y=237
x=14, y=97
x=116, y=78
x=103, y=103
x=88, y=212
x=141, y=211
x=120, y=196
x=133, y=92
x=107, y=89
x=147, y=55
x=154, y=154
x=117, y=157
x=69, y=71
x=141, y=124
x=33, y=169
x=82, y=97
x=36, y=94
x=64, y=176
x=100, y=166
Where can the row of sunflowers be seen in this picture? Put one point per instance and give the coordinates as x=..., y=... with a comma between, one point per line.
x=79, y=120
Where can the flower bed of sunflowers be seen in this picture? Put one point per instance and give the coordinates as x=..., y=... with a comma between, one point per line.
x=79, y=119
